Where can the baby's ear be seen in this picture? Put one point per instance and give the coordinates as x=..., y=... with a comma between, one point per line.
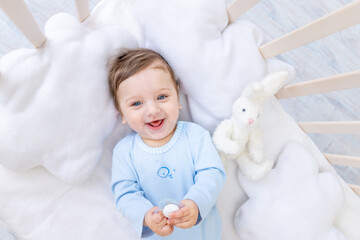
x=120, y=114
x=178, y=89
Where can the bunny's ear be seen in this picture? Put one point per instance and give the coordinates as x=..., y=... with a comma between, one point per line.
x=273, y=82
x=254, y=91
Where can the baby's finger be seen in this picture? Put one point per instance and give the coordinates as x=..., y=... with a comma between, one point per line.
x=163, y=221
x=155, y=217
x=159, y=211
x=153, y=210
x=174, y=221
x=184, y=224
x=182, y=212
x=166, y=230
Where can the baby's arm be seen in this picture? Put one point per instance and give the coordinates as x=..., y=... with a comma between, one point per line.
x=129, y=197
x=209, y=176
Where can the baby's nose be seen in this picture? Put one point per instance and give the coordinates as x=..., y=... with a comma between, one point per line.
x=153, y=109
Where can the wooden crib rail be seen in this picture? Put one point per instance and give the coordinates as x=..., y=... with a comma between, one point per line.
x=19, y=13
x=348, y=161
x=355, y=188
x=329, y=24
x=321, y=85
x=340, y=127
x=343, y=160
x=239, y=7
x=345, y=127
x=82, y=9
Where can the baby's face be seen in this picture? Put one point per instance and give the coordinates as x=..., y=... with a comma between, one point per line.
x=150, y=104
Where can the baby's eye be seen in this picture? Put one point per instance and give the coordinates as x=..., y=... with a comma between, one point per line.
x=244, y=110
x=136, y=104
x=162, y=97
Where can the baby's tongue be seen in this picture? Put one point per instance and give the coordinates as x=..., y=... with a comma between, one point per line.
x=155, y=123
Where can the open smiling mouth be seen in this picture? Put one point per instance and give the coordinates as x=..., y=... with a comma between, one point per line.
x=156, y=124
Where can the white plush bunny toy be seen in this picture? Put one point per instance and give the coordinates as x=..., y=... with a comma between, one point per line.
x=239, y=138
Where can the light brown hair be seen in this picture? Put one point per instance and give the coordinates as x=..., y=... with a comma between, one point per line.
x=128, y=63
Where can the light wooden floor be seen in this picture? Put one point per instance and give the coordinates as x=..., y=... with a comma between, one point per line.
x=335, y=54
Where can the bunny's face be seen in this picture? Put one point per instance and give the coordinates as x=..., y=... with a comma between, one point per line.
x=246, y=112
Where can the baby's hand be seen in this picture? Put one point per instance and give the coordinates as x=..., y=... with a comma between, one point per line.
x=157, y=222
x=186, y=216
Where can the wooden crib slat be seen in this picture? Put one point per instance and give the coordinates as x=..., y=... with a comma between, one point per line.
x=340, y=127
x=331, y=23
x=348, y=161
x=355, y=188
x=342, y=160
x=83, y=9
x=321, y=85
x=239, y=7
x=19, y=13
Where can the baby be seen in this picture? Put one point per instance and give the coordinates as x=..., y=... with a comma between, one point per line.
x=163, y=159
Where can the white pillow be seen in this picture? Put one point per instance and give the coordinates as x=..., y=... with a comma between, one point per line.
x=55, y=106
x=294, y=201
x=213, y=61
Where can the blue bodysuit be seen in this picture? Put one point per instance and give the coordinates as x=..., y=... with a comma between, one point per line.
x=187, y=167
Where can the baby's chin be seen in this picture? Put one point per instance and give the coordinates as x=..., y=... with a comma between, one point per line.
x=160, y=138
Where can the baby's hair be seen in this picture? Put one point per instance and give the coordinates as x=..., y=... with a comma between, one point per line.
x=131, y=61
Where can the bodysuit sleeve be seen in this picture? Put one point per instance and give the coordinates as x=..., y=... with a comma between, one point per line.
x=129, y=197
x=209, y=175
